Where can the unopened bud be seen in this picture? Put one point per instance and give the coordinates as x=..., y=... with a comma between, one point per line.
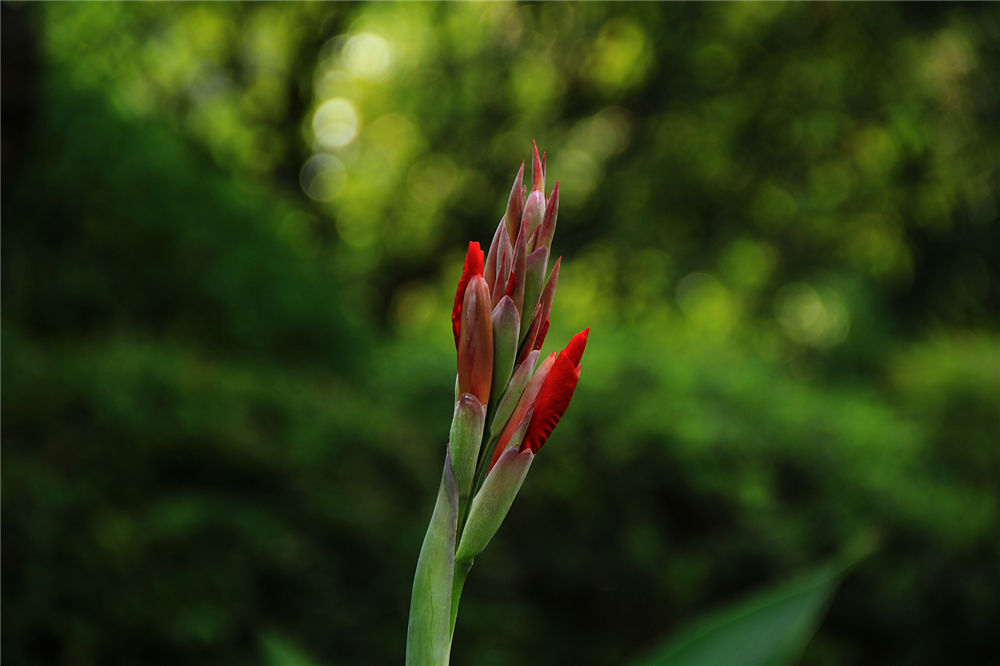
x=506, y=325
x=475, y=347
x=539, y=324
x=492, y=502
x=518, y=381
x=534, y=212
x=523, y=407
x=534, y=273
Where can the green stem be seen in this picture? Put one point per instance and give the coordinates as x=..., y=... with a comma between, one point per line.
x=461, y=573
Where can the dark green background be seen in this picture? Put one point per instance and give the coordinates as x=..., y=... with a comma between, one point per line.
x=227, y=376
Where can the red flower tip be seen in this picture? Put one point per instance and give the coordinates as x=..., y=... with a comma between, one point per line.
x=555, y=394
x=574, y=350
x=511, y=285
x=473, y=267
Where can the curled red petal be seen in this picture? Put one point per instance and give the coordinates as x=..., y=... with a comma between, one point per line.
x=473, y=267
x=555, y=394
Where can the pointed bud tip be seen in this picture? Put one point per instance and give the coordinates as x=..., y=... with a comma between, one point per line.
x=472, y=267
x=520, y=173
x=537, y=179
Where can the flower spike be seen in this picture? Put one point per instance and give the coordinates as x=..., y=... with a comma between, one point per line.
x=508, y=400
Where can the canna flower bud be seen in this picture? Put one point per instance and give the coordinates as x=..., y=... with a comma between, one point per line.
x=473, y=266
x=545, y=399
x=492, y=502
x=506, y=324
x=475, y=345
x=518, y=382
x=555, y=394
x=534, y=273
x=524, y=405
x=534, y=207
x=540, y=322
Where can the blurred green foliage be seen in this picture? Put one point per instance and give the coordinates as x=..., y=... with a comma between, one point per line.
x=231, y=234
x=769, y=628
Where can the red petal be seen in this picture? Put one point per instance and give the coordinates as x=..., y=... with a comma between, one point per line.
x=473, y=267
x=555, y=394
x=576, y=346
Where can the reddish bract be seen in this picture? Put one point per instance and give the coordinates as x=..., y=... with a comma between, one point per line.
x=540, y=338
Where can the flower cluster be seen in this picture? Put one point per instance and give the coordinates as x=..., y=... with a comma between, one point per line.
x=506, y=406
x=499, y=320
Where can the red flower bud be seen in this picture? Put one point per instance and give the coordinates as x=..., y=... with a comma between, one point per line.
x=555, y=393
x=524, y=405
x=473, y=267
x=475, y=345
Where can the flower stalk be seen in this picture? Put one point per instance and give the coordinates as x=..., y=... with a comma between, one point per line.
x=506, y=406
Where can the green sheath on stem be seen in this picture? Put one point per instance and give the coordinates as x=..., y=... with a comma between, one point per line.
x=428, y=637
x=464, y=441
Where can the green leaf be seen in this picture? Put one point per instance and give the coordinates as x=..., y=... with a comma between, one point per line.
x=428, y=636
x=769, y=628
